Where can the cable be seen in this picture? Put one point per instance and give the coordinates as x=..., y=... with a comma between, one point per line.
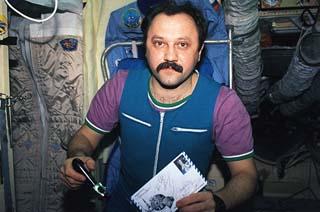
x=315, y=165
x=33, y=19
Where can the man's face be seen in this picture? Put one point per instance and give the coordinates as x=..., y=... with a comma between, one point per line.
x=172, y=39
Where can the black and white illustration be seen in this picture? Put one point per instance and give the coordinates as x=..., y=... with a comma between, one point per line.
x=175, y=181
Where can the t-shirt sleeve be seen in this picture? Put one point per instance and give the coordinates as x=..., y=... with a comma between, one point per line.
x=102, y=115
x=232, y=127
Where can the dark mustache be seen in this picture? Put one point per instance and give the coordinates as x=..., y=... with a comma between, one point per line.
x=172, y=65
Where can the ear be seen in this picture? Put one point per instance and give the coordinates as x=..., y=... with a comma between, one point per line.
x=200, y=52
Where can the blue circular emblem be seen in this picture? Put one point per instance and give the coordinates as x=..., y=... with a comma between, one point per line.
x=131, y=18
x=69, y=44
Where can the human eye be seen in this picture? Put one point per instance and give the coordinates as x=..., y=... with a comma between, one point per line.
x=158, y=43
x=183, y=45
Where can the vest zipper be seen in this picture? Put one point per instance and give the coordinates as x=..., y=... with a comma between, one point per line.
x=180, y=129
x=155, y=166
x=136, y=120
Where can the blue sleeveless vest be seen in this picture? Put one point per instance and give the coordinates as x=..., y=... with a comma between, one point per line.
x=151, y=139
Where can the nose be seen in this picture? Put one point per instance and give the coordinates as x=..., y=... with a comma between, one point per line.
x=171, y=54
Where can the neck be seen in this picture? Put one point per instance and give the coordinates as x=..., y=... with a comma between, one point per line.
x=169, y=96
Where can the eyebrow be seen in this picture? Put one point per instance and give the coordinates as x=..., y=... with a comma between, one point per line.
x=160, y=37
x=156, y=37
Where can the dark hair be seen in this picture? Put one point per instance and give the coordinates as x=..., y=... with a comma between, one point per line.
x=172, y=8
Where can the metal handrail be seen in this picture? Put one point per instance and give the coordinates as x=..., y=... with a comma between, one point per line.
x=106, y=71
x=104, y=61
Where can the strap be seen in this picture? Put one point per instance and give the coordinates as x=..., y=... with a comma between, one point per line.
x=220, y=205
x=5, y=157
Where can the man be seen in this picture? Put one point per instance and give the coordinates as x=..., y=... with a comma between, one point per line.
x=165, y=109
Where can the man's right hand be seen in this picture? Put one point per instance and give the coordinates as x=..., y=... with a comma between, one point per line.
x=70, y=177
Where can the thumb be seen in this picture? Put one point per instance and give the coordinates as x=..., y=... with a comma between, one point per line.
x=90, y=164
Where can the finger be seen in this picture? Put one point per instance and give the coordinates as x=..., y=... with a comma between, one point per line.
x=64, y=180
x=201, y=201
x=68, y=180
x=73, y=174
x=192, y=198
x=72, y=183
x=90, y=164
x=206, y=205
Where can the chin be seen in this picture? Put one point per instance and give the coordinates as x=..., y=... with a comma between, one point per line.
x=170, y=86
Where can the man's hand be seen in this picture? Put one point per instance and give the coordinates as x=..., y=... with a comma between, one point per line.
x=197, y=202
x=71, y=178
x=82, y=144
